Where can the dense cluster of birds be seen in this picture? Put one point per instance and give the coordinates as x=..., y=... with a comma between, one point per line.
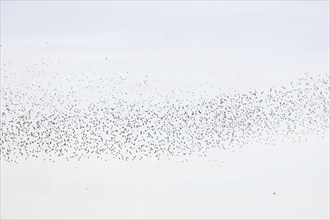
x=73, y=116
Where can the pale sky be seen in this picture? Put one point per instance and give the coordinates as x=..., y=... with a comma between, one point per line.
x=231, y=38
x=239, y=44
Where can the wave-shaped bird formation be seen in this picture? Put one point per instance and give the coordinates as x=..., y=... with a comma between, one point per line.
x=46, y=120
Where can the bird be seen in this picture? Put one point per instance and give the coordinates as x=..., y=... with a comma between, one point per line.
x=115, y=117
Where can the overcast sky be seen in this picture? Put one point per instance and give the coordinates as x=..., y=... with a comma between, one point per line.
x=253, y=44
x=228, y=38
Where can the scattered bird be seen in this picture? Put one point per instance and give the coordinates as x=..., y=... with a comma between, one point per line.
x=56, y=115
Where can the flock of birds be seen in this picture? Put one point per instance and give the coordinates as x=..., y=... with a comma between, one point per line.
x=73, y=116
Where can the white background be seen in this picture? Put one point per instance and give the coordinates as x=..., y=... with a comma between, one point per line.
x=185, y=44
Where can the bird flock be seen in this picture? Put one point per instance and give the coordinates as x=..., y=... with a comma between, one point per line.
x=49, y=115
